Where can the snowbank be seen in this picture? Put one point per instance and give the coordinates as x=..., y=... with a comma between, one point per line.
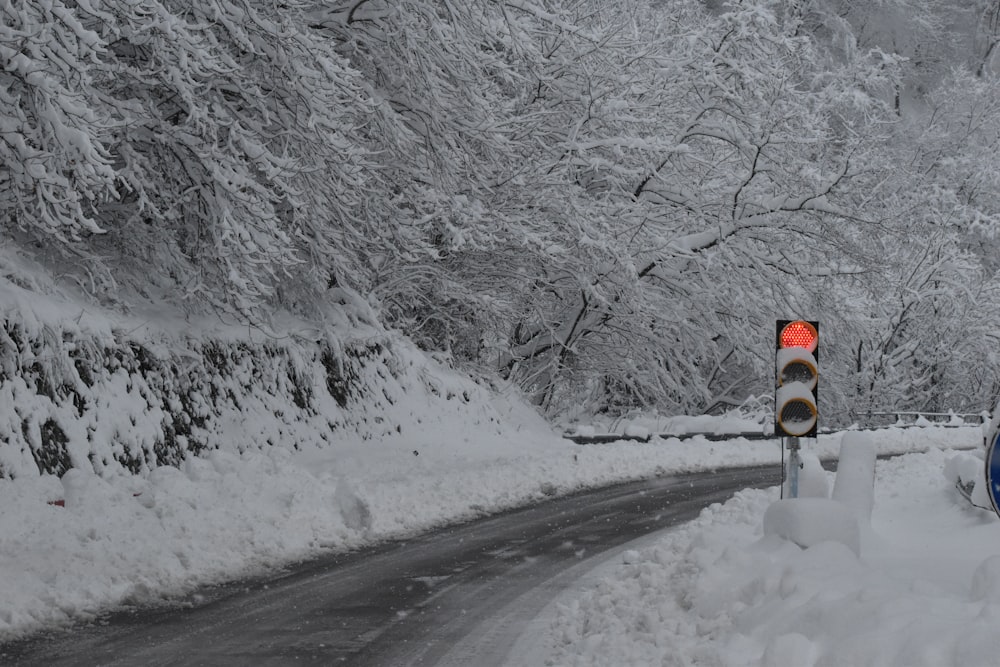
x=724, y=590
x=128, y=539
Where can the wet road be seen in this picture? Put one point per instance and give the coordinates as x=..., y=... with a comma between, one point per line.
x=458, y=596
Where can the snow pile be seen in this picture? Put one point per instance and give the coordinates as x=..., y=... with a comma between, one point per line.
x=729, y=590
x=966, y=472
x=813, y=480
x=811, y=521
x=127, y=539
x=855, y=485
x=755, y=417
x=811, y=517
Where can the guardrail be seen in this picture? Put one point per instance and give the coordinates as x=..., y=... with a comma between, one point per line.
x=598, y=438
x=982, y=417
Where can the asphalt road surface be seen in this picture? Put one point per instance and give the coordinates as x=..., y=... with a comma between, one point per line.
x=459, y=596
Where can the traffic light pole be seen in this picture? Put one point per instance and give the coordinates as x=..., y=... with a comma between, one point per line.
x=793, y=467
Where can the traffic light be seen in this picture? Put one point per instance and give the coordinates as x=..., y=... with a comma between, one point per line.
x=796, y=402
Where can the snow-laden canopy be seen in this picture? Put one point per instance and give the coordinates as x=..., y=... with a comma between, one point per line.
x=608, y=205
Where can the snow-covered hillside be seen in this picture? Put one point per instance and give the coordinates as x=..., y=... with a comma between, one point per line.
x=83, y=387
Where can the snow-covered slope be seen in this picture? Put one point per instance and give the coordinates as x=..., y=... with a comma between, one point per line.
x=83, y=387
x=145, y=455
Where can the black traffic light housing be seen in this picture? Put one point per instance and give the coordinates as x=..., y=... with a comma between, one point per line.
x=796, y=398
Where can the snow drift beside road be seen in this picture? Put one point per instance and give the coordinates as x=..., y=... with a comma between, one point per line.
x=123, y=539
x=925, y=590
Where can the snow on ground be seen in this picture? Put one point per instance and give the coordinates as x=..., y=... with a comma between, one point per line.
x=924, y=591
x=72, y=547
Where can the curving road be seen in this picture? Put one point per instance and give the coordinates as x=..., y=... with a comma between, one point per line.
x=459, y=596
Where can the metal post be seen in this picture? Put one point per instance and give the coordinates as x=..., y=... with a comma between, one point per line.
x=793, y=467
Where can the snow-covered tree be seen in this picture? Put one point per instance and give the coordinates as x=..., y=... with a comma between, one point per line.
x=728, y=176
x=922, y=322
x=56, y=166
x=607, y=204
x=237, y=145
x=986, y=38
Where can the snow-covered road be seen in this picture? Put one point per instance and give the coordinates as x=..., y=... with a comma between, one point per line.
x=461, y=594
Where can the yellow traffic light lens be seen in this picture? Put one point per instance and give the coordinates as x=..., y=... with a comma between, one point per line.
x=799, y=334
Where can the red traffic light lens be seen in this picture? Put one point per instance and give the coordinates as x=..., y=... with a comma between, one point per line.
x=799, y=334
